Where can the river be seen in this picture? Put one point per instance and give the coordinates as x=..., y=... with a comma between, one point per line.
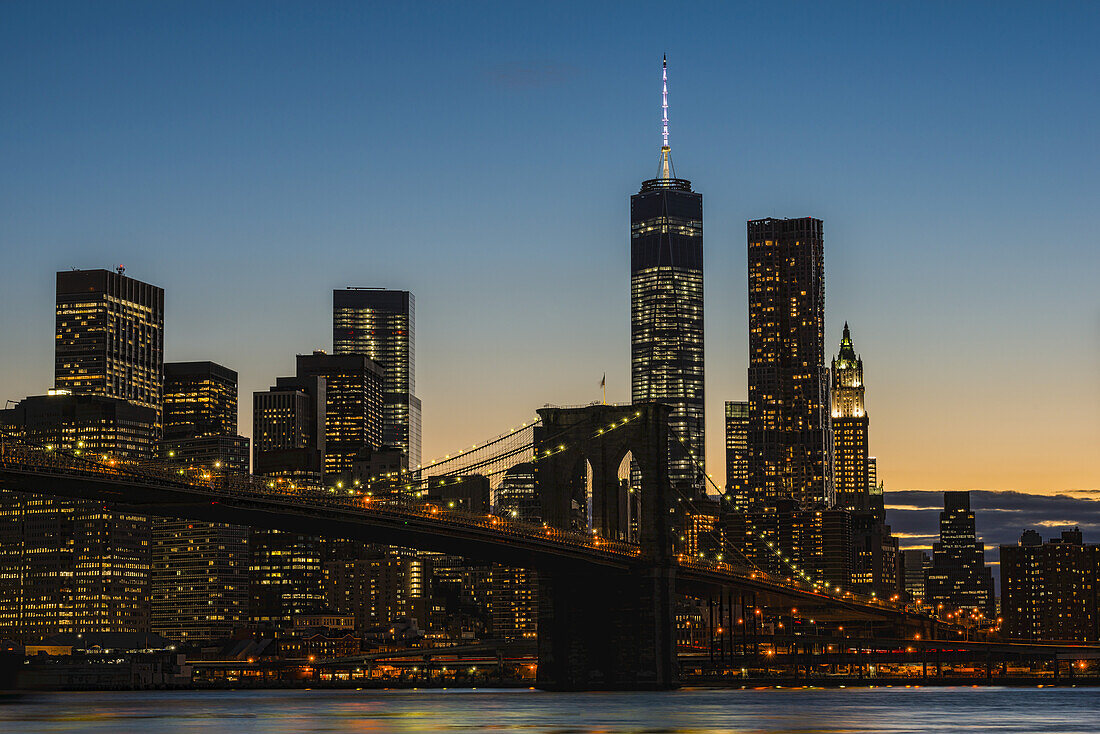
x=806, y=711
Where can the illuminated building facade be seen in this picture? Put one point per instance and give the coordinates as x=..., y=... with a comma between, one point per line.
x=288, y=441
x=353, y=407
x=72, y=565
x=1049, y=591
x=959, y=578
x=513, y=603
x=200, y=570
x=109, y=337
x=200, y=399
x=737, y=454
x=378, y=586
x=666, y=312
x=288, y=430
x=851, y=478
x=382, y=325
x=784, y=538
x=789, y=435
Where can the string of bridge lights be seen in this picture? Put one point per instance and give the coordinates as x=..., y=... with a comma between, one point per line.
x=770, y=547
x=546, y=454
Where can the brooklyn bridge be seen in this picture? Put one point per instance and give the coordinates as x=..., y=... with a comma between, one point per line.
x=612, y=556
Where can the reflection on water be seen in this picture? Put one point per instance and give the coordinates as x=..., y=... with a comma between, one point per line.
x=1030, y=710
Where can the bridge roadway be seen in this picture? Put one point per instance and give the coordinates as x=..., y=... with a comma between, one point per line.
x=168, y=491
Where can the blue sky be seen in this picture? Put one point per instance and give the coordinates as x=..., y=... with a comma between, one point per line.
x=250, y=157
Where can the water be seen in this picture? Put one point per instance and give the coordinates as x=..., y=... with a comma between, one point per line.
x=886, y=710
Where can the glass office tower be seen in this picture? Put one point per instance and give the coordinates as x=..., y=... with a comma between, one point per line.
x=382, y=325
x=666, y=311
x=109, y=337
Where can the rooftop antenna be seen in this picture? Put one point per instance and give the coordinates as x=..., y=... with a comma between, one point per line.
x=666, y=152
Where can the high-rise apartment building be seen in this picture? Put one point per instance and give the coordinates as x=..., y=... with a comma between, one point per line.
x=73, y=565
x=381, y=324
x=1049, y=591
x=109, y=337
x=353, y=407
x=199, y=584
x=666, y=311
x=959, y=578
x=737, y=454
x=851, y=478
x=789, y=435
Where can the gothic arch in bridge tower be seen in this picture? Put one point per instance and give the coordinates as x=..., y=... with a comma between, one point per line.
x=604, y=436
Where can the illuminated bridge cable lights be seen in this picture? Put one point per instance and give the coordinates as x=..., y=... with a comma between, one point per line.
x=799, y=573
x=28, y=459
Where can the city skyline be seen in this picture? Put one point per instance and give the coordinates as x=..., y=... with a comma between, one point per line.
x=922, y=333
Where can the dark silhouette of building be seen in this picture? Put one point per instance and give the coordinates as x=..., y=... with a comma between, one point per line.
x=516, y=496
x=913, y=565
x=959, y=579
x=75, y=566
x=1049, y=590
x=353, y=407
x=666, y=313
x=737, y=454
x=199, y=581
x=288, y=439
x=789, y=452
x=469, y=492
x=109, y=337
x=381, y=324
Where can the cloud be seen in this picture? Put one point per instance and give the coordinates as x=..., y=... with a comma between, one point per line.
x=1000, y=517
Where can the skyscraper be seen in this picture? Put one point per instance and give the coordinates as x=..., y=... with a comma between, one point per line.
x=666, y=309
x=109, y=336
x=737, y=453
x=288, y=439
x=73, y=565
x=788, y=387
x=199, y=584
x=959, y=578
x=382, y=325
x=353, y=407
x=851, y=474
x=108, y=371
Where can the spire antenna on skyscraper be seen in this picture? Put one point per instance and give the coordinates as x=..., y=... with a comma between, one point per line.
x=666, y=152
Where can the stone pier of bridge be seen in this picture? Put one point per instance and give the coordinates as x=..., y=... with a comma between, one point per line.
x=608, y=629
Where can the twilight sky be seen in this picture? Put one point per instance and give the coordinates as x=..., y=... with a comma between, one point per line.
x=251, y=157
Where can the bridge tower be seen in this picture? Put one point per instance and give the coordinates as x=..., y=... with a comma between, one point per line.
x=608, y=628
